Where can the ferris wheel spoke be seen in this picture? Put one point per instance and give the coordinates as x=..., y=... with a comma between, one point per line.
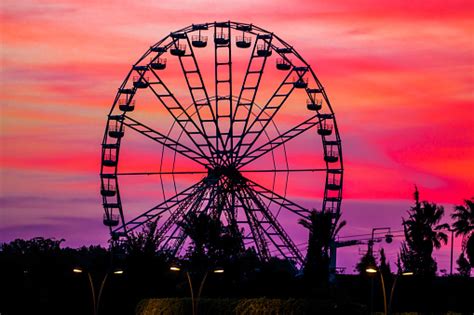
x=284, y=170
x=272, y=229
x=223, y=88
x=197, y=89
x=256, y=231
x=184, y=209
x=250, y=85
x=161, y=173
x=200, y=203
x=166, y=141
x=277, y=199
x=168, y=205
x=279, y=140
x=250, y=135
x=174, y=242
x=182, y=117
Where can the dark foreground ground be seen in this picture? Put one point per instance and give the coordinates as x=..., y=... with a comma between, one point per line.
x=63, y=292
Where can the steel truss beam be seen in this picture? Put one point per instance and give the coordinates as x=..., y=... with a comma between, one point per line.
x=223, y=87
x=181, y=212
x=277, y=199
x=205, y=201
x=180, y=238
x=182, y=117
x=166, y=141
x=198, y=91
x=266, y=114
x=249, y=88
x=255, y=228
x=167, y=205
x=279, y=140
x=271, y=228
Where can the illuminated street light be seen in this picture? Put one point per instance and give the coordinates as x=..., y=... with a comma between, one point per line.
x=96, y=298
x=195, y=300
x=371, y=270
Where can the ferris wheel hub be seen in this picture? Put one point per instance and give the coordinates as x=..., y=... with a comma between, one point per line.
x=230, y=173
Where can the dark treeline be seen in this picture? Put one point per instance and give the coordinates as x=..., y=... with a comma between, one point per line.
x=37, y=275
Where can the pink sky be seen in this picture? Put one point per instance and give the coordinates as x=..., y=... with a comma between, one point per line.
x=399, y=75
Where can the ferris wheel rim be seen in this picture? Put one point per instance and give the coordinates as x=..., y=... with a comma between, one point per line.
x=233, y=25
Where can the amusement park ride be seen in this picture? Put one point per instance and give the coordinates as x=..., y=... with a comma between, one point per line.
x=225, y=134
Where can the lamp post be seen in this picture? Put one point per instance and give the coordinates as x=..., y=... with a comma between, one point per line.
x=452, y=251
x=370, y=250
x=388, y=237
x=195, y=300
x=96, y=298
x=374, y=270
x=399, y=274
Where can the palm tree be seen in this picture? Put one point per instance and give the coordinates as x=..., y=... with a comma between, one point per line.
x=422, y=235
x=323, y=227
x=464, y=225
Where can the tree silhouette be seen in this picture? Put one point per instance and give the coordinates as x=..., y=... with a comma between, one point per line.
x=211, y=242
x=146, y=265
x=365, y=261
x=422, y=235
x=464, y=267
x=464, y=225
x=204, y=232
x=323, y=227
x=384, y=266
x=145, y=242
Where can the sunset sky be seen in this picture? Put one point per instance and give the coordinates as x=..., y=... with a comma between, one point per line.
x=399, y=75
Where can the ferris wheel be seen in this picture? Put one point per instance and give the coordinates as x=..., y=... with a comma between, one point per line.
x=228, y=119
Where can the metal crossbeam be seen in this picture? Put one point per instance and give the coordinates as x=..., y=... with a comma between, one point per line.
x=248, y=90
x=182, y=117
x=272, y=229
x=179, y=240
x=197, y=90
x=159, y=209
x=255, y=228
x=278, y=199
x=223, y=89
x=166, y=141
x=279, y=140
x=266, y=114
x=179, y=213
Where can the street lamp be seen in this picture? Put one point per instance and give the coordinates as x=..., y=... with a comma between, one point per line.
x=374, y=270
x=96, y=299
x=195, y=300
x=399, y=274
